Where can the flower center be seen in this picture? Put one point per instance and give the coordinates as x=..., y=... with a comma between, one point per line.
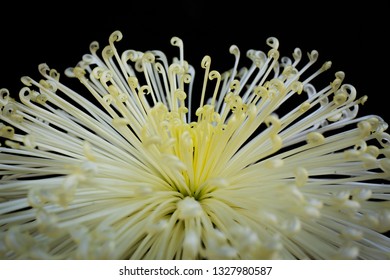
x=186, y=154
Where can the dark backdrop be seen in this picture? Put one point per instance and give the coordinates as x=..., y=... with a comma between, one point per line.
x=353, y=37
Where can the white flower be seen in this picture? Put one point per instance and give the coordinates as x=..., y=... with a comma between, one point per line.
x=262, y=165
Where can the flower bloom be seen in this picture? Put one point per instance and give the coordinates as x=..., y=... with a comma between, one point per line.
x=265, y=166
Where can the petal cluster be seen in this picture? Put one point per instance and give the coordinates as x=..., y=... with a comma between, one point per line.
x=259, y=164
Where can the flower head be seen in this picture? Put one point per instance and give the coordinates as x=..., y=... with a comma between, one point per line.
x=259, y=164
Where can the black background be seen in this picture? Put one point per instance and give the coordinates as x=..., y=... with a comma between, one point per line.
x=353, y=36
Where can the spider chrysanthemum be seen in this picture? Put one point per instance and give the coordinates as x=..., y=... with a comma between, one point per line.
x=258, y=164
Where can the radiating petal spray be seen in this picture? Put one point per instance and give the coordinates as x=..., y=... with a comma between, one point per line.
x=259, y=164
